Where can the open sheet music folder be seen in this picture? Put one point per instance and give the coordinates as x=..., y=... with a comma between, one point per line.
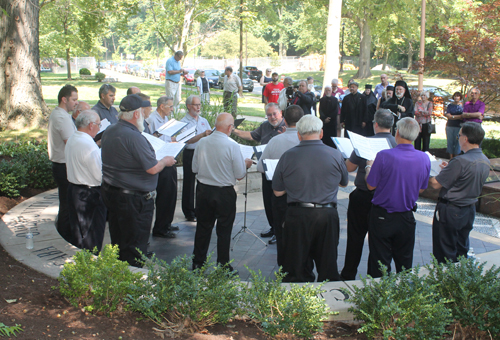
x=344, y=146
x=163, y=149
x=367, y=148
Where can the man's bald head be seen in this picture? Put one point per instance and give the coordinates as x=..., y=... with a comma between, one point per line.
x=224, y=123
x=82, y=106
x=133, y=90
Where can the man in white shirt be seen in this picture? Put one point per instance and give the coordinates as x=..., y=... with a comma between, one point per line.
x=61, y=127
x=232, y=86
x=87, y=212
x=166, y=190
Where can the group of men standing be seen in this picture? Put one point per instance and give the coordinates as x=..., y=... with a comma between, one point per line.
x=115, y=175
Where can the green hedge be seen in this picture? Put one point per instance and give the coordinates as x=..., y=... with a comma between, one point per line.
x=85, y=72
x=24, y=164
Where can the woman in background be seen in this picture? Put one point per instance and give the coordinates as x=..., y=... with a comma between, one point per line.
x=423, y=114
x=454, y=114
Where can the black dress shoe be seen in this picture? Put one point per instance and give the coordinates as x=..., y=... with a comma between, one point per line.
x=230, y=269
x=173, y=228
x=197, y=266
x=150, y=254
x=168, y=234
x=191, y=219
x=273, y=240
x=268, y=233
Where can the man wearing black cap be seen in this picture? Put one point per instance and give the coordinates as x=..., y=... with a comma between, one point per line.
x=272, y=90
x=401, y=103
x=130, y=175
x=371, y=107
x=353, y=112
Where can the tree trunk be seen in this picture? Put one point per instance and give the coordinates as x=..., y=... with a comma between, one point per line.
x=68, y=63
x=386, y=57
x=365, y=47
x=21, y=100
x=332, y=57
x=410, y=57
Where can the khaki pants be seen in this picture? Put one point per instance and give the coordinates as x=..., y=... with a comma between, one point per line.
x=173, y=90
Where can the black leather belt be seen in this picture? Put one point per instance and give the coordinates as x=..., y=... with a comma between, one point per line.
x=312, y=205
x=86, y=186
x=146, y=195
x=173, y=81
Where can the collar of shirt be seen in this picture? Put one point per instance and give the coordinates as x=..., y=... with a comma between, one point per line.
x=101, y=106
x=290, y=130
x=405, y=146
x=310, y=142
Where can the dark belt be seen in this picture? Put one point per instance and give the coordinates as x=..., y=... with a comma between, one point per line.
x=312, y=205
x=173, y=81
x=146, y=195
x=447, y=201
x=86, y=186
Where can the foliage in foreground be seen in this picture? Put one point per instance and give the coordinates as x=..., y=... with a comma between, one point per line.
x=25, y=164
x=472, y=295
x=99, y=283
x=9, y=330
x=176, y=298
x=298, y=311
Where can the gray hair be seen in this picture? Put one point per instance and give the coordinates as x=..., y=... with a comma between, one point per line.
x=163, y=100
x=288, y=79
x=189, y=99
x=426, y=94
x=270, y=105
x=327, y=87
x=104, y=89
x=179, y=53
x=475, y=88
x=309, y=125
x=384, y=118
x=335, y=81
x=408, y=128
x=85, y=118
x=127, y=115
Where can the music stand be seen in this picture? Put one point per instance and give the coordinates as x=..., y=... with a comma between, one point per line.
x=244, y=229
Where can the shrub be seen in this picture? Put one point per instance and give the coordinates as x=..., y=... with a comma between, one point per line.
x=12, y=177
x=473, y=295
x=99, y=76
x=177, y=298
x=400, y=306
x=85, y=72
x=99, y=283
x=491, y=147
x=298, y=311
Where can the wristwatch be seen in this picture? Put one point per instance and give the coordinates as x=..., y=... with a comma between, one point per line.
x=368, y=166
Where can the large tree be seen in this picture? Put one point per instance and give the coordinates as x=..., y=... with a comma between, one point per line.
x=21, y=100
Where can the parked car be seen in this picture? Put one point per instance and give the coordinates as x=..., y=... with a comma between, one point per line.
x=159, y=74
x=439, y=97
x=252, y=72
x=189, y=77
x=247, y=82
x=212, y=77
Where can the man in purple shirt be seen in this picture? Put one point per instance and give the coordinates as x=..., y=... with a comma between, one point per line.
x=398, y=176
x=474, y=110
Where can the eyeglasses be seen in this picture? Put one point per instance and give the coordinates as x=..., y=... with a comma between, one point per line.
x=459, y=135
x=96, y=124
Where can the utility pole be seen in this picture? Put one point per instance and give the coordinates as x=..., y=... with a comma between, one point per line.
x=422, y=50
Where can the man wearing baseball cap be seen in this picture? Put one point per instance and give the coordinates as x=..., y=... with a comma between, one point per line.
x=130, y=175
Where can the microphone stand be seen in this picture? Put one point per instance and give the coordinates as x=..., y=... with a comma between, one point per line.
x=244, y=229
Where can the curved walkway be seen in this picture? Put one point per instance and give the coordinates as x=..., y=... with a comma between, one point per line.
x=50, y=251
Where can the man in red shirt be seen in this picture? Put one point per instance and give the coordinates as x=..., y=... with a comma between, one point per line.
x=272, y=91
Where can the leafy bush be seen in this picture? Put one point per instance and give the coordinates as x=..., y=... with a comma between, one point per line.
x=98, y=283
x=491, y=147
x=298, y=311
x=400, y=306
x=472, y=294
x=85, y=72
x=12, y=178
x=176, y=298
x=99, y=76
x=30, y=166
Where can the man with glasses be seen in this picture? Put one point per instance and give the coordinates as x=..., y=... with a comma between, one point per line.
x=474, y=109
x=192, y=118
x=87, y=212
x=274, y=125
x=104, y=106
x=460, y=182
x=166, y=190
x=130, y=175
x=218, y=163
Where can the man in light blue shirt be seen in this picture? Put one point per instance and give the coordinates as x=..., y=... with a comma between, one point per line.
x=173, y=72
x=382, y=86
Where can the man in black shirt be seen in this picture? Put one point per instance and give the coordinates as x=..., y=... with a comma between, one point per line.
x=353, y=112
x=401, y=103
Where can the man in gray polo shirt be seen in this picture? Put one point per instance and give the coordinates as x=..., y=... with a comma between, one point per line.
x=274, y=125
x=104, y=106
x=461, y=182
x=218, y=163
x=276, y=147
x=311, y=228
x=130, y=175
x=166, y=190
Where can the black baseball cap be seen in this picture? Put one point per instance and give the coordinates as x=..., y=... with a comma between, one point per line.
x=133, y=102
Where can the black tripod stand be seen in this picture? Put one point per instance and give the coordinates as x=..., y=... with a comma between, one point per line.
x=244, y=229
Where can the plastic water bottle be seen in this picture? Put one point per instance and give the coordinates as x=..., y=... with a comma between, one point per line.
x=471, y=254
x=29, y=239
